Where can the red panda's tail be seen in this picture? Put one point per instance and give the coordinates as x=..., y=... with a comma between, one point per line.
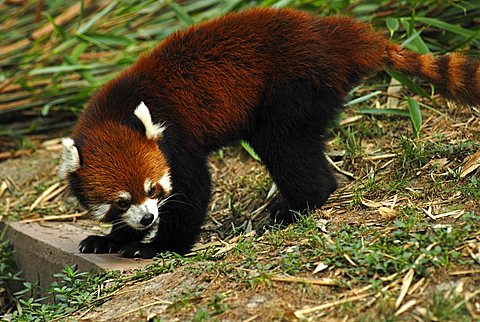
x=457, y=77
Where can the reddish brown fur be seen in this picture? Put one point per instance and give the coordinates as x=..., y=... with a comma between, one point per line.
x=211, y=92
x=339, y=47
x=343, y=47
x=336, y=46
x=456, y=76
x=125, y=159
x=428, y=66
x=275, y=78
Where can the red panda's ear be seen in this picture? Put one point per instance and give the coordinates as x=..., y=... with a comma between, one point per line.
x=70, y=158
x=152, y=131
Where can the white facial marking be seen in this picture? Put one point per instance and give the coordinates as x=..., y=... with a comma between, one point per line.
x=166, y=182
x=151, y=205
x=98, y=211
x=70, y=158
x=135, y=213
x=124, y=195
x=152, y=131
x=147, y=185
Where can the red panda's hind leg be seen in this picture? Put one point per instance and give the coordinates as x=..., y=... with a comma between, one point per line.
x=287, y=135
x=299, y=169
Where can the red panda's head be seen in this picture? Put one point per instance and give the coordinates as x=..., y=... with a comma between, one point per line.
x=118, y=173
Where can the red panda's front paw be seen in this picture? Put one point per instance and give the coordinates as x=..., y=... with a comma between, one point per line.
x=98, y=245
x=138, y=250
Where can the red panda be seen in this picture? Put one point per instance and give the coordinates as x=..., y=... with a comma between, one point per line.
x=138, y=155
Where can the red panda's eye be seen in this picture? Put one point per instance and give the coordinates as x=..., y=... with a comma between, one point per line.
x=151, y=192
x=123, y=204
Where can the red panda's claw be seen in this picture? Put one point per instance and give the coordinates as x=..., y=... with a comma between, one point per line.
x=98, y=245
x=138, y=250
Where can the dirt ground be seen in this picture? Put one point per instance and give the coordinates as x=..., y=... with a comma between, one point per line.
x=382, y=175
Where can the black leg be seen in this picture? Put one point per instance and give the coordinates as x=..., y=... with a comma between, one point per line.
x=183, y=213
x=287, y=134
x=298, y=166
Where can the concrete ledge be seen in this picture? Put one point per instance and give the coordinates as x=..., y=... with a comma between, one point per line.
x=43, y=249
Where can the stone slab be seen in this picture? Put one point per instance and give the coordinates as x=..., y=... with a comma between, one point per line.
x=43, y=249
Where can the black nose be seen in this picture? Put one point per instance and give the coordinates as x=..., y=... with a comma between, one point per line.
x=147, y=219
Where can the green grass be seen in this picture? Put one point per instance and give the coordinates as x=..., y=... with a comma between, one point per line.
x=8, y=269
x=470, y=188
x=415, y=154
x=364, y=255
x=73, y=290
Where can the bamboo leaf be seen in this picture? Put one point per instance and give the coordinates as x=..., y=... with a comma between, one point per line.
x=57, y=28
x=282, y=3
x=415, y=115
x=62, y=68
x=109, y=40
x=77, y=51
x=363, y=98
x=384, y=111
x=72, y=60
x=231, y=5
x=392, y=25
x=65, y=45
x=93, y=41
x=86, y=26
x=182, y=14
x=416, y=40
x=407, y=82
x=446, y=26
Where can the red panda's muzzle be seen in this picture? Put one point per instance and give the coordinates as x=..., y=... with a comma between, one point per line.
x=141, y=216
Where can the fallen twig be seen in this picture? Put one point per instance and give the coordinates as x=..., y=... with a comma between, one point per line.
x=348, y=174
x=316, y=281
x=466, y=272
x=407, y=281
x=55, y=218
x=13, y=154
x=301, y=313
x=44, y=195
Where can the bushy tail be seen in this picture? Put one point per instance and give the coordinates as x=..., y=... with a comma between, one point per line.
x=455, y=76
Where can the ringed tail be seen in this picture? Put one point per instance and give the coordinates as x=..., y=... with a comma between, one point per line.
x=455, y=76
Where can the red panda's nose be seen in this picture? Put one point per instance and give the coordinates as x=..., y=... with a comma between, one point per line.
x=146, y=219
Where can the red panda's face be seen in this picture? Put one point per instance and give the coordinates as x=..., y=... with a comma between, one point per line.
x=118, y=173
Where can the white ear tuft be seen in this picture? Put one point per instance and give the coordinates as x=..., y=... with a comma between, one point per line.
x=70, y=158
x=152, y=131
x=166, y=182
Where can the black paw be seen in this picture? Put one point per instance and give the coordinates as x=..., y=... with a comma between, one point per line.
x=280, y=213
x=138, y=250
x=98, y=245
